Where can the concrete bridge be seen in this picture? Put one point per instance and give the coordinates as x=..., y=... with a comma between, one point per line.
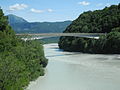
x=47, y=35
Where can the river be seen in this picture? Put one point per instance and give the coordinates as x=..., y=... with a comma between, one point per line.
x=78, y=71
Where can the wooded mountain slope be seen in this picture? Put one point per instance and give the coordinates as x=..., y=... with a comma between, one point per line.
x=98, y=21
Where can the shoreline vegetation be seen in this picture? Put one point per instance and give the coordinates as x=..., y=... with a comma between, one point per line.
x=98, y=21
x=20, y=61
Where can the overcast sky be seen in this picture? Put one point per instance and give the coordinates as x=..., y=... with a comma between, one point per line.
x=52, y=10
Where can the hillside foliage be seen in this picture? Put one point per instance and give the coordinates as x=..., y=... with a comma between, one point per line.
x=20, y=61
x=98, y=21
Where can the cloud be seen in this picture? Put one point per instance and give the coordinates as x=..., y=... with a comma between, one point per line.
x=36, y=11
x=17, y=7
x=40, y=11
x=84, y=3
x=50, y=10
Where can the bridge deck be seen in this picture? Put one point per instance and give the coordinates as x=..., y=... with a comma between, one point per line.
x=47, y=35
x=62, y=34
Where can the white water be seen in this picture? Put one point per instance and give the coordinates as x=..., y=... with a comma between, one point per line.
x=77, y=71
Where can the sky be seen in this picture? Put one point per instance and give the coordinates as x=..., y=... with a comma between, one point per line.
x=52, y=10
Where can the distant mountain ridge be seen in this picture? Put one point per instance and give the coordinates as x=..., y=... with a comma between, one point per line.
x=16, y=19
x=21, y=25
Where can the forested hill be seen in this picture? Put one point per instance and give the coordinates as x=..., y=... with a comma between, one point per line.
x=20, y=61
x=20, y=25
x=98, y=21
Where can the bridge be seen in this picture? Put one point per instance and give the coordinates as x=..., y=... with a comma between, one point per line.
x=48, y=35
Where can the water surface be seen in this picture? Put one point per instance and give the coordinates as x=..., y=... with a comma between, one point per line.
x=78, y=71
